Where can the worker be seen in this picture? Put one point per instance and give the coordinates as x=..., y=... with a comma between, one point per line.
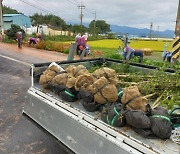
x=167, y=55
x=33, y=41
x=77, y=37
x=19, y=38
x=85, y=36
x=130, y=53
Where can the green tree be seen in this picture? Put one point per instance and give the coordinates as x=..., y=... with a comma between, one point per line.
x=12, y=32
x=8, y=10
x=58, y=22
x=39, y=19
x=99, y=27
x=79, y=29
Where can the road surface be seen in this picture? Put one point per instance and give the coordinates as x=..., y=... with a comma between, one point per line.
x=17, y=134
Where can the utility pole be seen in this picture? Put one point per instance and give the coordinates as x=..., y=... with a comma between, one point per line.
x=177, y=28
x=94, y=22
x=1, y=18
x=81, y=7
x=150, y=33
x=176, y=41
x=158, y=32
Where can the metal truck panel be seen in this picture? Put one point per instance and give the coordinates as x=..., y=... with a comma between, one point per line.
x=83, y=131
x=72, y=130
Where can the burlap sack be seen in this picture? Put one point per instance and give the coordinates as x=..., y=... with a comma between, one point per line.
x=103, y=91
x=80, y=70
x=53, y=68
x=46, y=77
x=71, y=69
x=70, y=81
x=83, y=82
x=136, y=101
x=110, y=74
x=60, y=79
x=76, y=70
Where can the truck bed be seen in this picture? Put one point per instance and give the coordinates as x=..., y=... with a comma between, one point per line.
x=82, y=131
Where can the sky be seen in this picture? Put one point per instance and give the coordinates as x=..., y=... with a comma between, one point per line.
x=132, y=13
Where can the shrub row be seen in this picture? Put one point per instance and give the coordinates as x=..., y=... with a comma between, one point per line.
x=54, y=46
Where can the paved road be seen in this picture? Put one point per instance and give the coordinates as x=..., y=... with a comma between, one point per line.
x=17, y=134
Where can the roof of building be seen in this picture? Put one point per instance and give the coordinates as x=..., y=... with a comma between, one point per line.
x=11, y=15
x=54, y=27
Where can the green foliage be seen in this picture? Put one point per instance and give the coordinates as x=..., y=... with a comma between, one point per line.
x=95, y=37
x=39, y=19
x=162, y=84
x=7, y=40
x=99, y=27
x=53, y=46
x=12, y=32
x=58, y=38
x=111, y=36
x=78, y=29
x=66, y=51
x=114, y=56
x=8, y=10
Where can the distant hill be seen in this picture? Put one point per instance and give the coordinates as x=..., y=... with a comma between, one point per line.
x=8, y=10
x=141, y=32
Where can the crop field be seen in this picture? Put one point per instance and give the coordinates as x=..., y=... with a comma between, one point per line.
x=154, y=45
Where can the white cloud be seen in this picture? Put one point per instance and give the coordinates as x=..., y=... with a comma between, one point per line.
x=135, y=13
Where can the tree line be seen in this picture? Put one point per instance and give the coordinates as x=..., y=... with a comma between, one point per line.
x=95, y=27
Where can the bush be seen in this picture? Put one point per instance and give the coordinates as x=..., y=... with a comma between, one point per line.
x=66, y=51
x=11, y=33
x=54, y=46
x=7, y=40
x=58, y=38
x=114, y=56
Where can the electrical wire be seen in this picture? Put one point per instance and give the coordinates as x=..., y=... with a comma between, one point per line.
x=30, y=4
x=76, y=2
x=42, y=9
x=72, y=3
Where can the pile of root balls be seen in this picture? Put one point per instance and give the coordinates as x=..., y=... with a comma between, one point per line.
x=123, y=96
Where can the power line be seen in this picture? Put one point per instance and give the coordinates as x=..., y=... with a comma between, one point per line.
x=40, y=8
x=72, y=2
x=49, y=4
x=30, y=4
x=76, y=2
x=40, y=3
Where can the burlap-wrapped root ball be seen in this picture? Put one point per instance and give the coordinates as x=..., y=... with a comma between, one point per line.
x=109, y=73
x=46, y=77
x=133, y=100
x=103, y=91
x=80, y=70
x=54, y=68
x=60, y=79
x=83, y=82
x=71, y=69
x=70, y=81
x=76, y=70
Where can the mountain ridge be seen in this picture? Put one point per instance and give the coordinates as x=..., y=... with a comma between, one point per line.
x=141, y=32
